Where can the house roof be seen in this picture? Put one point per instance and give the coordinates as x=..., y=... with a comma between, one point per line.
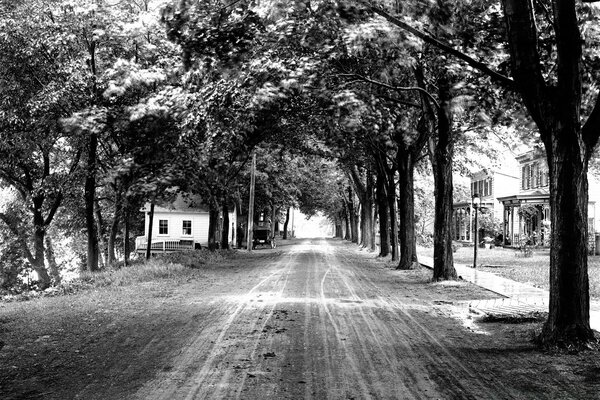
x=536, y=197
x=185, y=203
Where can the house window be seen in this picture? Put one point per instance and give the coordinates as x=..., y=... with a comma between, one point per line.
x=163, y=227
x=187, y=228
x=535, y=169
x=526, y=177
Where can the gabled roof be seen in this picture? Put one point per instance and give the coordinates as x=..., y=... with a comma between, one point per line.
x=184, y=203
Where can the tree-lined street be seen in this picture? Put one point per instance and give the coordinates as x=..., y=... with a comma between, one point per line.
x=224, y=118
x=313, y=319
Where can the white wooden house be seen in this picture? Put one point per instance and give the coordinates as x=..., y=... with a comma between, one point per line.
x=180, y=225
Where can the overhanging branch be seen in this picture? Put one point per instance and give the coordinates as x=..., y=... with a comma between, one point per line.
x=496, y=76
x=395, y=88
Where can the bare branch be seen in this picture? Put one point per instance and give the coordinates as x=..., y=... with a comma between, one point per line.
x=395, y=88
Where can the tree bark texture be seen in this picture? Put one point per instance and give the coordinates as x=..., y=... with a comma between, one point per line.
x=369, y=214
x=442, y=154
x=52, y=264
x=126, y=248
x=393, y=207
x=285, y=224
x=114, y=226
x=353, y=216
x=100, y=235
x=225, y=232
x=556, y=109
x=408, y=237
x=89, y=195
x=384, y=216
x=364, y=191
x=273, y=217
x=213, y=224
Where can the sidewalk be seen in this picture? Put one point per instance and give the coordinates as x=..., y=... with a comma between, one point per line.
x=518, y=298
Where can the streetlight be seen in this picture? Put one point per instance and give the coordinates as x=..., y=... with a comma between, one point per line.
x=476, y=202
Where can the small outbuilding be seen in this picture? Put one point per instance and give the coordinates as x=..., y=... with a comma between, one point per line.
x=181, y=225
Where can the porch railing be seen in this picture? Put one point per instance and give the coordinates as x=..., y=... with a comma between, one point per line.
x=163, y=245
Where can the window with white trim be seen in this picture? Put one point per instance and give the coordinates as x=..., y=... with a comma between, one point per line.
x=186, y=229
x=163, y=227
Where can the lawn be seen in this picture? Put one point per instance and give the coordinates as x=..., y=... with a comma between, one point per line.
x=532, y=270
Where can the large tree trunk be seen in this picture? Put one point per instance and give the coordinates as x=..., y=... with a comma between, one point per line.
x=285, y=224
x=384, y=216
x=39, y=232
x=273, y=217
x=52, y=264
x=393, y=207
x=442, y=153
x=114, y=226
x=353, y=216
x=348, y=234
x=369, y=212
x=364, y=234
x=38, y=264
x=89, y=195
x=556, y=109
x=408, y=238
x=569, y=318
x=213, y=223
x=126, y=249
x=225, y=232
x=102, y=246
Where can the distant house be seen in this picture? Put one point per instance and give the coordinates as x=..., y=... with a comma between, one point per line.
x=490, y=185
x=527, y=211
x=519, y=197
x=180, y=225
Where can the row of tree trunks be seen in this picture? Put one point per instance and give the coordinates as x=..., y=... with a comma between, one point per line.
x=384, y=216
x=365, y=193
x=408, y=239
x=286, y=223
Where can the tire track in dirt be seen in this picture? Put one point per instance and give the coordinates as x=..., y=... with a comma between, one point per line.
x=327, y=322
x=407, y=327
x=198, y=375
x=372, y=345
x=447, y=363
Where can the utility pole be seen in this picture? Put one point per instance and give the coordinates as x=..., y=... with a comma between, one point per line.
x=251, y=204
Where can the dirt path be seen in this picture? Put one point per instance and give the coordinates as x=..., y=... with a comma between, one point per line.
x=321, y=324
x=311, y=320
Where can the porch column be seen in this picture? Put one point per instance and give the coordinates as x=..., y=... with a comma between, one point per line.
x=505, y=215
x=512, y=225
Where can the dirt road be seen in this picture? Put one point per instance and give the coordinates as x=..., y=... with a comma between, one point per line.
x=313, y=319
x=323, y=323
